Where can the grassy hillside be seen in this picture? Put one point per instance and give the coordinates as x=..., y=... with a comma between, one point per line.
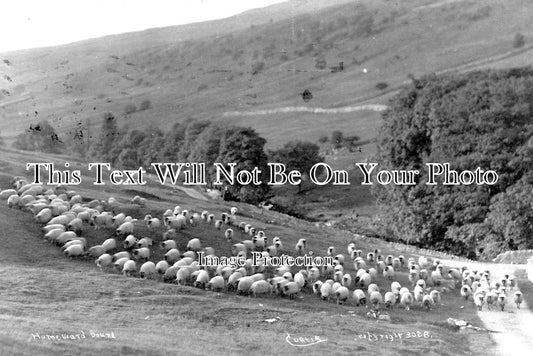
x=210, y=70
x=46, y=293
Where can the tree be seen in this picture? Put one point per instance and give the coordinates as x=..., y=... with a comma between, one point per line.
x=39, y=137
x=478, y=119
x=245, y=147
x=518, y=40
x=101, y=149
x=298, y=155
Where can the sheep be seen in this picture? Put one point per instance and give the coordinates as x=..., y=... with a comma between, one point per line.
x=502, y=300
x=518, y=298
x=301, y=279
x=260, y=287
x=75, y=225
x=122, y=254
x=342, y=293
x=359, y=297
x=79, y=241
x=244, y=284
x=96, y=251
x=137, y=200
x=233, y=280
x=228, y=234
x=64, y=237
x=176, y=223
x=406, y=300
x=53, y=234
x=301, y=247
x=144, y=242
x=125, y=229
x=168, y=245
x=202, y=278
x=316, y=287
x=129, y=242
x=147, y=269
x=183, y=275
x=161, y=267
x=373, y=273
x=491, y=298
x=170, y=234
x=364, y=281
x=172, y=255
x=216, y=284
x=153, y=223
x=427, y=302
x=109, y=244
x=118, y=219
x=390, y=300
x=233, y=211
x=44, y=216
x=218, y=224
x=435, y=295
x=129, y=268
x=259, y=243
x=170, y=274
x=104, y=260
x=46, y=229
x=388, y=272
x=75, y=250
x=291, y=289
x=478, y=301
x=194, y=245
x=375, y=299
x=4, y=194
x=141, y=253
x=325, y=291
x=346, y=280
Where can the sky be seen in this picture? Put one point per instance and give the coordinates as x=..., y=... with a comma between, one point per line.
x=40, y=23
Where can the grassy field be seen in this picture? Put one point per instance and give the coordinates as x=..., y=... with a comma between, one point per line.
x=44, y=293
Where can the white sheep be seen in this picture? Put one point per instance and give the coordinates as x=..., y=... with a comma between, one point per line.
x=118, y=219
x=47, y=228
x=104, y=260
x=388, y=272
x=161, y=267
x=119, y=263
x=125, y=228
x=360, y=297
x=244, y=284
x=153, y=223
x=376, y=299
x=466, y=291
x=121, y=254
x=144, y=242
x=109, y=244
x=96, y=251
x=291, y=289
x=79, y=241
x=129, y=268
x=427, y=302
x=141, y=253
x=194, y=245
x=129, y=242
x=406, y=300
x=44, y=216
x=182, y=276
x=228, y=234
x=390, y=300
x=52, y=235
x=325, y=291
x=64, y=237
x=172, y=255
x=342, y=293
x=518, y=298
x=171, y=274
x=260, y=287
x=137, y=200
x=75, y=250
x=4, y=194
x=168, y=245
x=300, y=247
x=216, y=284
x=147, y=269
x=13, y=201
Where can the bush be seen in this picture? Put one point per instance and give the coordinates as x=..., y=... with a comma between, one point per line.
x=202, y=87
x=518, y=41
x=257, y=67
x=145, y=105
x=381, y=85
x=130, y=109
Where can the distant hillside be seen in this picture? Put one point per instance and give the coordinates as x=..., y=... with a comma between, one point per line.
x=261, y=59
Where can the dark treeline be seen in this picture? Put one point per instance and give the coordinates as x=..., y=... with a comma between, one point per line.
x=191, y=141
x=479, y=119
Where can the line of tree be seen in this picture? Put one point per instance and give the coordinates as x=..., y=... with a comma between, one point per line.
x=478, y=119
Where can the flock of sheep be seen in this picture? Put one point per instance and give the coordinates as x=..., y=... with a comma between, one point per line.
x=360, y=278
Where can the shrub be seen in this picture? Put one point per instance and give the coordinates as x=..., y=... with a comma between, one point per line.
x=145, y=105
x=202, y=87
x=381, y=85
x=518, y=41
x=257, y=67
